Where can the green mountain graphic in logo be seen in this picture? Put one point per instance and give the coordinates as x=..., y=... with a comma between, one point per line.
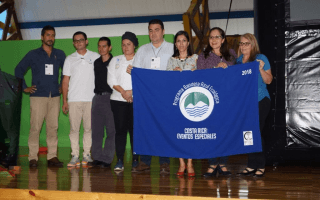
x=194, y=98
x=196, y=104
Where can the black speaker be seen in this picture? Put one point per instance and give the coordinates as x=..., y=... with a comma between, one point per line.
x=269, y=30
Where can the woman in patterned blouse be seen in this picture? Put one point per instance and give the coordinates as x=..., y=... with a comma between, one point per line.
x=182, y=59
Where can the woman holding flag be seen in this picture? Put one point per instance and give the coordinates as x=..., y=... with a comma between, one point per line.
x=217, y=55
x=248, y=52
x=182, y=59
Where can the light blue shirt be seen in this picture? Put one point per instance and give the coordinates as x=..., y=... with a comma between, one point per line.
x=146, y=52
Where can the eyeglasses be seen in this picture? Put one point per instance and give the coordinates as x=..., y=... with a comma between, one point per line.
x=216, y=37
x=79, y=41
x=244, y=44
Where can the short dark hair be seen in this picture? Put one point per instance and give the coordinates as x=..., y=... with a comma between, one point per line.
x=105, y=39
x=47, y=28
x=80, y=33
x=176, y=52
x=156, y=21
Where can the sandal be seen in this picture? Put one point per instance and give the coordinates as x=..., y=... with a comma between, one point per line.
x=213, y=173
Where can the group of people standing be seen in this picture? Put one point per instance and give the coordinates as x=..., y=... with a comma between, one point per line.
x=97, y=90
x=217, y=55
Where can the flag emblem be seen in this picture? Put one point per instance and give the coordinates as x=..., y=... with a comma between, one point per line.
x=196, y=104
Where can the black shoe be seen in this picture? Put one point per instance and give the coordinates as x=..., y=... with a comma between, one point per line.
x=141, y=167
x=165, y=168
x=221, y=172
x=247, y=172
x=259, y=175
x=33, y=163
x=213, y=173
x=54, y=162
x=104, y=165
x=9, y=160
x=3, y=150
x=95, y=163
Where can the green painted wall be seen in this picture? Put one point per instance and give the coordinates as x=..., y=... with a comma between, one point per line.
x=11, y=52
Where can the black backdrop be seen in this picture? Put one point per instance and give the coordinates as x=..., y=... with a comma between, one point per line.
x=293, y=126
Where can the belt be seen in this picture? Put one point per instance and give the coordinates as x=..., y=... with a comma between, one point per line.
x=102, y=93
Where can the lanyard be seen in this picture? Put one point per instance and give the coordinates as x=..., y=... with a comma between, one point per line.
x=154, y=52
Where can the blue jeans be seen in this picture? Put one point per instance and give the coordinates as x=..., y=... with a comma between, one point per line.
x=147, y=160
x=215, y=161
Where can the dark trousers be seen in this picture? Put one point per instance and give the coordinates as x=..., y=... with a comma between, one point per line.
x=10, y=124
x=101, y=116
x=123, y=116
x=215, y=161
x=258, y=160
x=147, y=159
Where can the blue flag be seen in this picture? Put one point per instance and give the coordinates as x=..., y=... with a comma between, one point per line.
x=196, y=114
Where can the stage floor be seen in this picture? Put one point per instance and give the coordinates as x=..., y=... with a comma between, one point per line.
x=283, y=182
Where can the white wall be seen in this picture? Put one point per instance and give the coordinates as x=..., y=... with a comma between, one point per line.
x=236, y=26
x=56, y=10
x=59, y=10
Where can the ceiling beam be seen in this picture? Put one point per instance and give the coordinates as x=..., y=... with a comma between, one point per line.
x=7, y=23
x=4, y=6
x=13, y=36
x=11, y=19
x=17, y=25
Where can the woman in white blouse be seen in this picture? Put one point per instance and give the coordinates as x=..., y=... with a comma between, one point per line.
x=121, y=99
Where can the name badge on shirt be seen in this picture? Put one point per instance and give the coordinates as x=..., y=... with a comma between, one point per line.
x=49, y=69
x=118, y=63
x=155, y=63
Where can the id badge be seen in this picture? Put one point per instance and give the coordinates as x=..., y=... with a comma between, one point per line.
x=49, y=69
x=118, y=63
x=155, y=63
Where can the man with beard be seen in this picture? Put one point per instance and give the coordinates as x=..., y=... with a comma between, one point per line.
x=44, y=94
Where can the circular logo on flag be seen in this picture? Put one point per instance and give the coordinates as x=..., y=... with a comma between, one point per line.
x=196, y=104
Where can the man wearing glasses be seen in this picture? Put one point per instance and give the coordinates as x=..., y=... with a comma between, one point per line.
x=45, y=63
x=77, y=92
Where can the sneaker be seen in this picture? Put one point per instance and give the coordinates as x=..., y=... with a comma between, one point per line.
x=95, y=163
x=141, y=167
x=86, y=159
x=74, y=161
x=118, y=166
x=135, y=163
x=119, y=173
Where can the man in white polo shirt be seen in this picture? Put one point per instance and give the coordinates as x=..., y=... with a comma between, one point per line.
x=78, y=91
